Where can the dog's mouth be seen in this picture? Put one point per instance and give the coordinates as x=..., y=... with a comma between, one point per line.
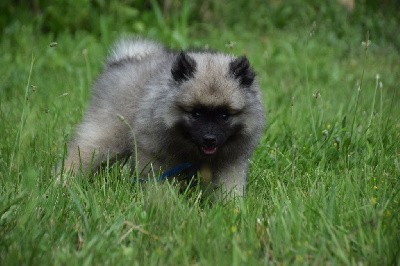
x=209, y=150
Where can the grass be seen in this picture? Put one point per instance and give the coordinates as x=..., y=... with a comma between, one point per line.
x=323, y=184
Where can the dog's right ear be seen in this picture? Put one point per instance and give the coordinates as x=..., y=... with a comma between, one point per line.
x=183, y=68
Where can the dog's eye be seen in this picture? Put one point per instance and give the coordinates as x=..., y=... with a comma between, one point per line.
x=225, y=116
x=195, y=114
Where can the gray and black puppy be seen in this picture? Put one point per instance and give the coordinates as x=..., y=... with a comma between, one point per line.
x=201, y=109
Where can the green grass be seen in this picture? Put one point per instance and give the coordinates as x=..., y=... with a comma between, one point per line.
x=323, y=184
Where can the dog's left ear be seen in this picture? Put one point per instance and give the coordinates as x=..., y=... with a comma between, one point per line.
x=241, y=70
x=183, y=68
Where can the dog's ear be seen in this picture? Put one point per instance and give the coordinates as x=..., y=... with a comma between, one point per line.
x=183, y=68
x=241, y=70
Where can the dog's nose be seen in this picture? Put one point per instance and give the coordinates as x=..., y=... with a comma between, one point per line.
x=209, y=139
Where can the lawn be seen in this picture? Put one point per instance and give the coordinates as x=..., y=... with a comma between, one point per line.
x=323, y=184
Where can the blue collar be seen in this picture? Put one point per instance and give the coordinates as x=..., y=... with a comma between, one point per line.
x=180, y=168
x=176, y=170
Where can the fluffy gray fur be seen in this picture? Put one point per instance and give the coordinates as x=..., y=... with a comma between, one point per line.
x=137, y=85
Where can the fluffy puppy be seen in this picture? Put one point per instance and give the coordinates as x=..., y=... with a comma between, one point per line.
x=201, y=109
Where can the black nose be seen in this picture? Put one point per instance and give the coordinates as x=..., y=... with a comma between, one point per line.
x=209, y=139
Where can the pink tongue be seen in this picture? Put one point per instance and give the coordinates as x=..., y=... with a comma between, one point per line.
x=207, y=150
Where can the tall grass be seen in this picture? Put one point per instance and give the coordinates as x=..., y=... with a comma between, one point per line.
x=323, y=184
x=25, y=106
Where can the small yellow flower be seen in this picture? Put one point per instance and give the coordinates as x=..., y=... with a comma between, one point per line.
x=373, y=200
x=375, y=187
x=159, y=251
x=299, y=258
x=233, y=229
